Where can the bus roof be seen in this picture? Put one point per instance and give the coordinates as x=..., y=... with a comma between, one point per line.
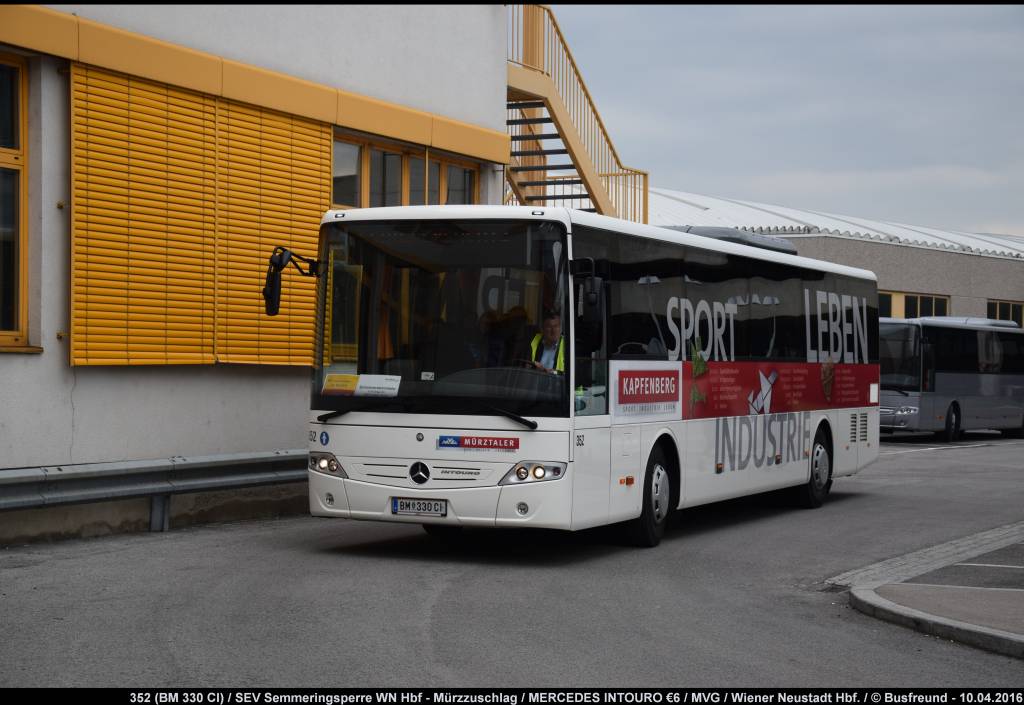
x=958, y=322
x=568, y=216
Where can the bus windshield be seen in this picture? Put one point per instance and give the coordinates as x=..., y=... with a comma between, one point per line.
x=899, y=348
x=443, y=317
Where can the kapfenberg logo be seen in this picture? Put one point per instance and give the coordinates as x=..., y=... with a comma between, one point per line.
x=324, y=438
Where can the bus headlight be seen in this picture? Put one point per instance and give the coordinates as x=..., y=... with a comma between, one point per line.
x=532, y=471
x=327, y=464
x=906, y=410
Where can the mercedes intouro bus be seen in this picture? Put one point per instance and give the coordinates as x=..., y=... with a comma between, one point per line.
x=508, y=366
x=949, y=375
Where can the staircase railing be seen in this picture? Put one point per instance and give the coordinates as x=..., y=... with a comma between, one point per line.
x=535, y=42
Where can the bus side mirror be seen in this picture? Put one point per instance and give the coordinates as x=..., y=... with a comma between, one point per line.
x=272, y=291
x=591, y=299
x=279, y=259
x=584, y=269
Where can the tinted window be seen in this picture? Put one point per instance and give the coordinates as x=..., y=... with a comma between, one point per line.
x=1013, y=353
x=956, y=349
x=774, y=318
x=643, y=275
x=866, y=293
x=717, y=305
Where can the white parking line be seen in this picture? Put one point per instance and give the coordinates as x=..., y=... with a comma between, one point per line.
x=921, y=450
x=993, y=565
x=966, y=587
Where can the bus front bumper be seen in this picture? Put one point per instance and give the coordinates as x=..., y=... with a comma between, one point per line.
x=898, y=419
x=545, y=505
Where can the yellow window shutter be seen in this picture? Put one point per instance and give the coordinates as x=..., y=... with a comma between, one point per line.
x=178, y=199
x=143, y=210
x=273, y=187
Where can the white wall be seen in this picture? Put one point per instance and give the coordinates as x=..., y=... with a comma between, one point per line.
x=445, y=59
x=442, y=59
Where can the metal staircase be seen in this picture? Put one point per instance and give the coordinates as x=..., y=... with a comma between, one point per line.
x=534, y=178
x=561, y=153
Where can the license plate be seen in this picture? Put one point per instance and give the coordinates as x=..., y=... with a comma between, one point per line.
x=420, y=507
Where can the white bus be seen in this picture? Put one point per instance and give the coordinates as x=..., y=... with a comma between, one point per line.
x=950, y=375
x=544, y=367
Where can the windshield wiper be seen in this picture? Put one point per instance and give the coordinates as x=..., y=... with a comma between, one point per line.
x=515, y=417
x=369, y=407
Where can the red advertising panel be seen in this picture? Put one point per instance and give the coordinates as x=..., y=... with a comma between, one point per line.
x=745, y=388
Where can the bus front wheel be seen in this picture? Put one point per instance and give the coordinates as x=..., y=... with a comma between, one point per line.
x=647, y=529
x=812, y=494
x=952, y=430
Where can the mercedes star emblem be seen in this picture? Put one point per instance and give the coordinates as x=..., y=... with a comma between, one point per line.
x=419, y=473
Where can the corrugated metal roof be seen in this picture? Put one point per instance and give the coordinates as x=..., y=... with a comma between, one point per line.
x=680, y=208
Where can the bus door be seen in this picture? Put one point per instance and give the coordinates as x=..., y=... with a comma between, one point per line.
x=591, y=438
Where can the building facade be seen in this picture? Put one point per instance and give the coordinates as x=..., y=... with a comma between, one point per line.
x=152, y=156
x=921, y=271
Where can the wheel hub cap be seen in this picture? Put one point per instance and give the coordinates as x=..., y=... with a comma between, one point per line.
x=659, y=493
x=820, y=468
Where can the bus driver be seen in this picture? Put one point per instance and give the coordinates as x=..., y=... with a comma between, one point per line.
x=547, y=349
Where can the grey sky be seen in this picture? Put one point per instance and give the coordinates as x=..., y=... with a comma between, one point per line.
x=912, y=114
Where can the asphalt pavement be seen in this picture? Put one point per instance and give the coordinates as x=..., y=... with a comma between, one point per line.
x=738, y=594
x=970, y=590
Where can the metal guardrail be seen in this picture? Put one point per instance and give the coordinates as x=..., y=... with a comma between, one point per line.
x=26, y=488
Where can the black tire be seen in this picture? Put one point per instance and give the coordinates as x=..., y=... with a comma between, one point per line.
x=952, y=430
x=647, y=529
x=812, y=494
x=443, y=532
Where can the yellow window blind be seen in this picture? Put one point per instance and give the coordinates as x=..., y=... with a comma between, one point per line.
x=274, y=181
x=143, y=232
x=178, y=199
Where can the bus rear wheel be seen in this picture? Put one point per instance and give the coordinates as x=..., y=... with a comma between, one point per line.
x=812, y=494
x=647, y=529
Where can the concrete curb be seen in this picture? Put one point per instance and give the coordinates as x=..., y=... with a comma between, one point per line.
x=869, y=602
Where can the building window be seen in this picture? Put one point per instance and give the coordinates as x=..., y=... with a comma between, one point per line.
x=460, y=186
x=13, y=306
x=370, y=174
x=1006, y=311
x=347, y=168
x=385, y=178
x=424, y=182
x=915, y=305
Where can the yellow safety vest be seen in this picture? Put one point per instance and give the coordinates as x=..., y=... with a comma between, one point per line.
x=559, y=356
